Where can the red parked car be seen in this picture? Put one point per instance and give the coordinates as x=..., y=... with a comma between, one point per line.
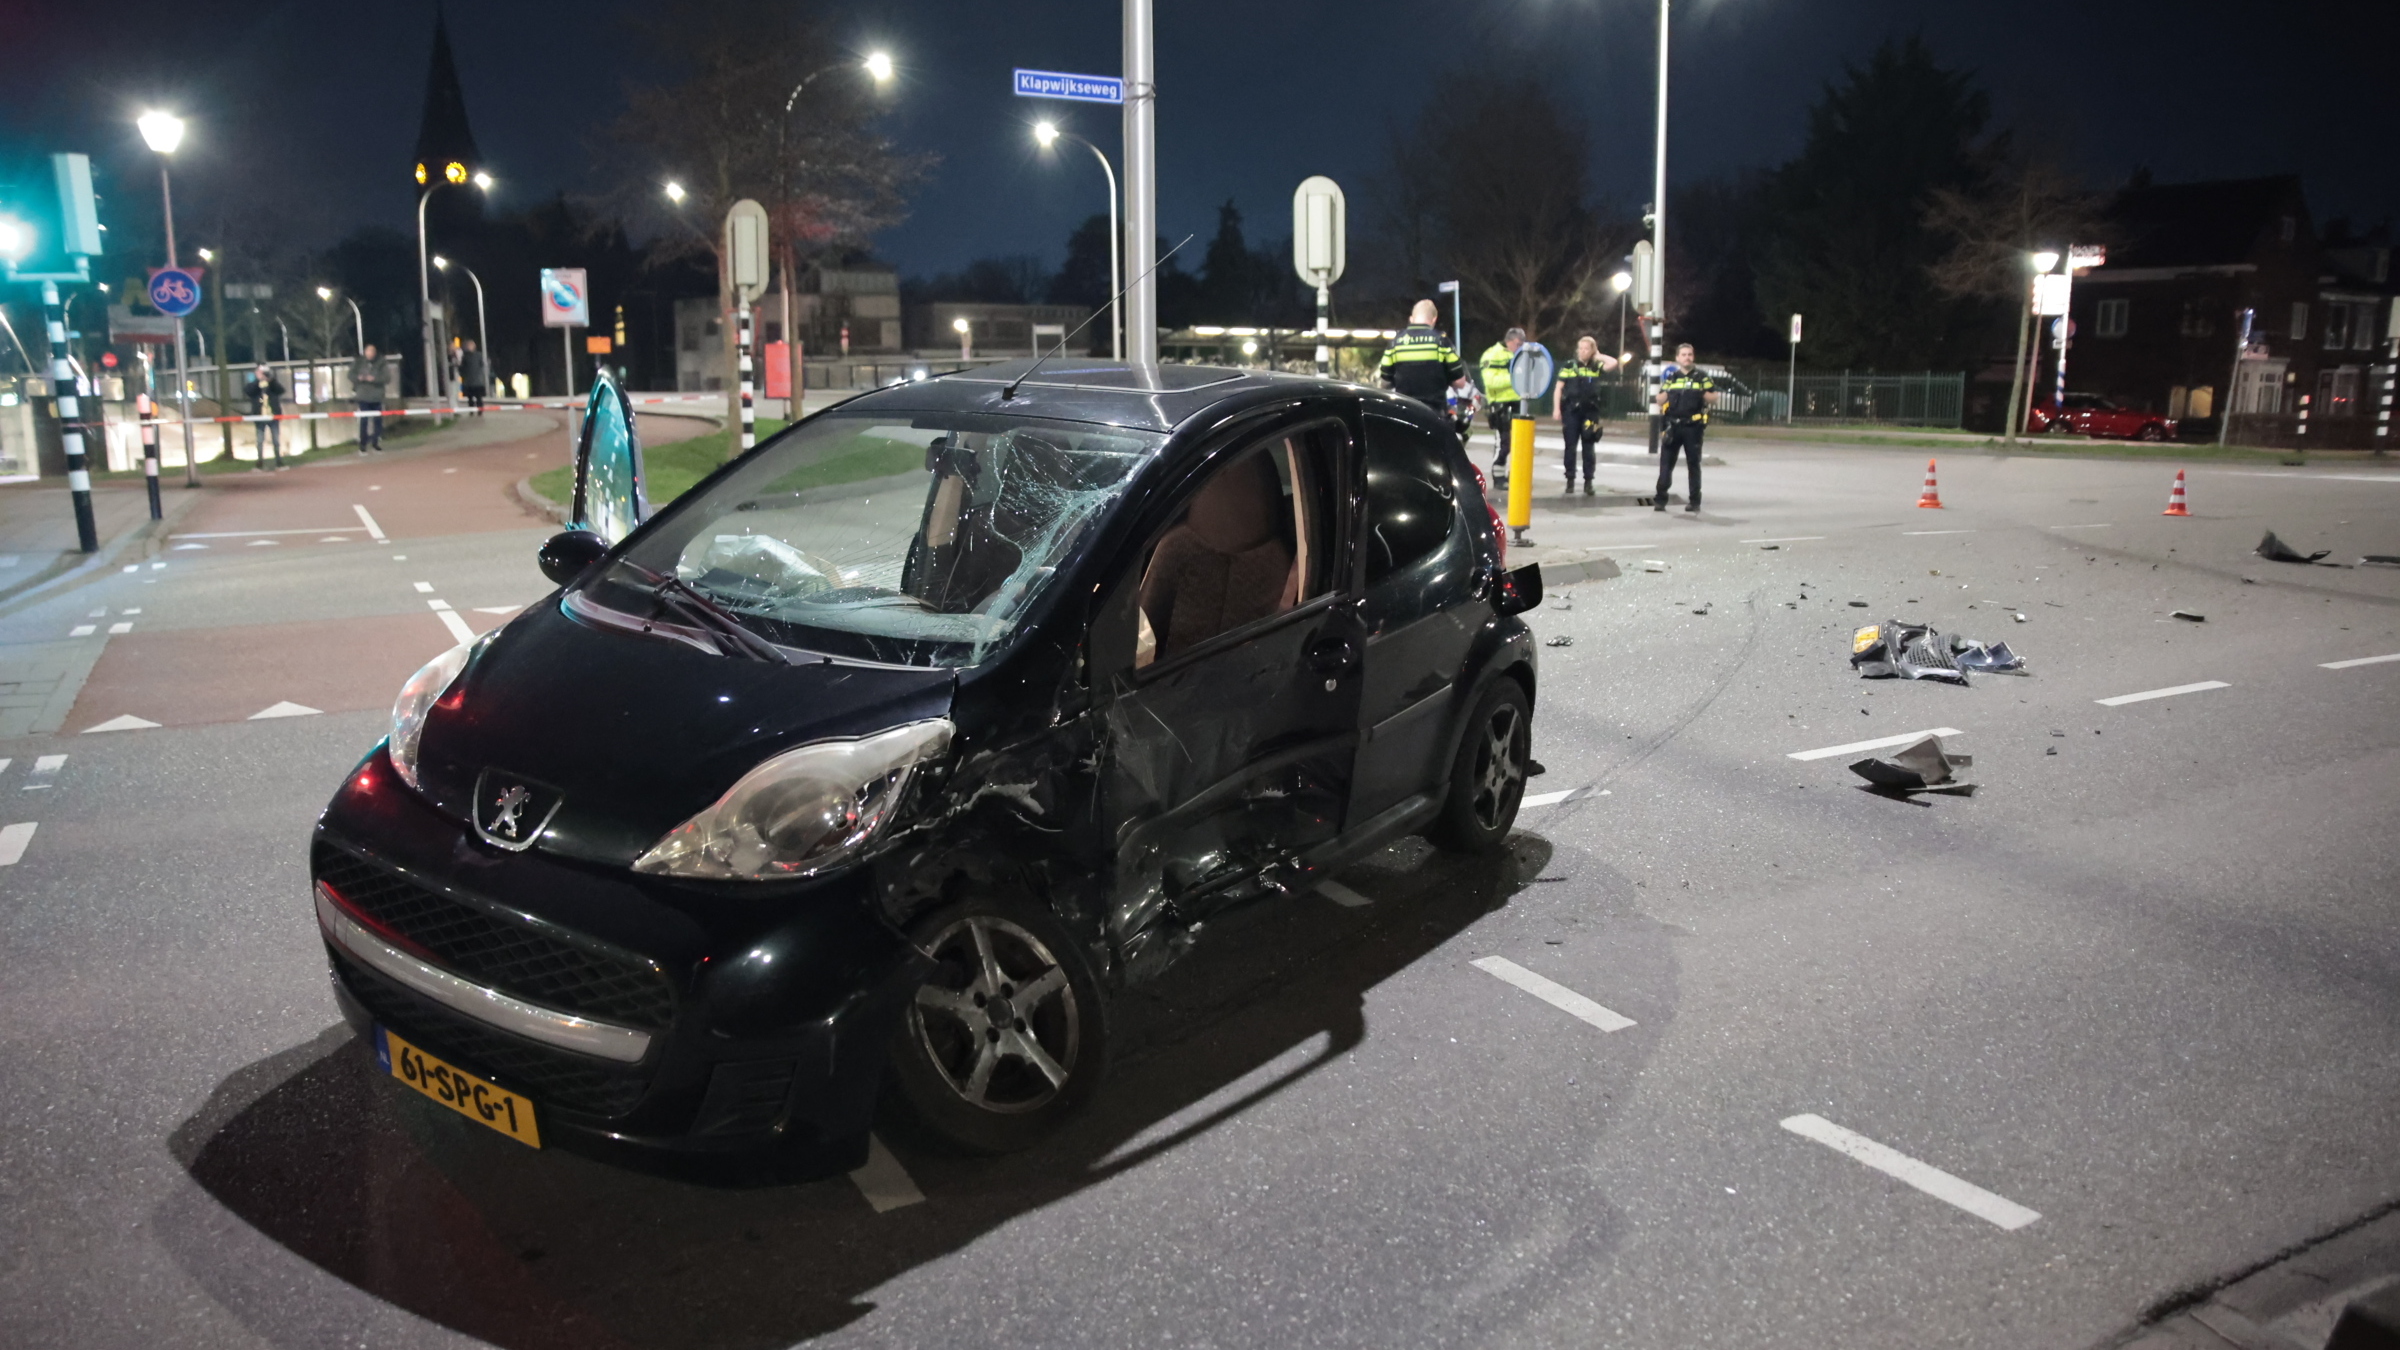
x=2092, y=415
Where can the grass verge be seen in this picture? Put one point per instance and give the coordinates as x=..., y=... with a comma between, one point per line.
x=673, y=467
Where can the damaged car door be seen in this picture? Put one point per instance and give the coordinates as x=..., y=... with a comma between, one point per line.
x=1228, y=653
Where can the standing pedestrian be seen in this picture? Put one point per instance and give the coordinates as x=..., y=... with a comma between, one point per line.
x=1420, y=364
x=1578, y=406
x=1500, y=396
x=366, y=395
x=474, y=376
x=266, y=404
x=1684, y=395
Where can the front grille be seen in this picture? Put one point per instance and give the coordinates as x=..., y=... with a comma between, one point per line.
x=550, y=1077
x=510, y=954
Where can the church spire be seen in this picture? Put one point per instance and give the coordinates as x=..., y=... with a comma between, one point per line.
x=445, y=145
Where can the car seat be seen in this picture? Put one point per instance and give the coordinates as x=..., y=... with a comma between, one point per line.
x=1226, y=565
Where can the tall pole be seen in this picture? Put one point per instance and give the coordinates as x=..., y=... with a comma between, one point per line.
x=358, y=323
x=1116, y=264
x=749, y=406
x=425, y=303
x=1141, y=190
x=70, y=419
x=183, y=379
x=483, y=337
x=1658, y=242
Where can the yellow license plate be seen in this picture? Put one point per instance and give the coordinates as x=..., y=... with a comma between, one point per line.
x=478, y=1099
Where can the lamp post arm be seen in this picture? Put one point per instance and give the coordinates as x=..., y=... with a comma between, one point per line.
x=1116, y=279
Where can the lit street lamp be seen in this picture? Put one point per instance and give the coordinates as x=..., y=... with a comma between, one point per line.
x=966, y=337
x=454, y=174
x=878, y=67
x=162, y=132
x=675, y=192
x=1621, y=283
x=1048, y=134
x=483, y=338
x=2020, y=377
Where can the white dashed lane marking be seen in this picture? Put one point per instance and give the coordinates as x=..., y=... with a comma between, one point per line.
x=1553, y=993
x=1561, y=798
x=1918, y=533
x=120, y=628
x=82, y=630
x=1925, y=1177
x=2358, y=661
x=45, y=770
x=287, y=708
x=423, y=587
x=2148, y=694
x=373, y=530
x=884, y=1182
x=253, y=534
x=1788, y=539
x=1830, y=751
x=13, y=839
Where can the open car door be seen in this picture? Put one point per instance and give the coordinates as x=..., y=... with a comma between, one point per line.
x=611, y=496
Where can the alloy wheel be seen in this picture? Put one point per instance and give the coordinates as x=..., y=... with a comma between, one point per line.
x=1499, y=765
x=999, y=1019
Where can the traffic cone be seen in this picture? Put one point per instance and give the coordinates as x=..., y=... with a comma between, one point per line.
x=2175, y=506
x=1932, y=496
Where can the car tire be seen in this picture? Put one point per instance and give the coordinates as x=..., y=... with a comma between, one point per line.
x=1487, y=776
x=2154, y=432
x=989, y=1084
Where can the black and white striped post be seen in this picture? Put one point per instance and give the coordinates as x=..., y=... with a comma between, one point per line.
x=749, y=409
x=70, y=419
x=149, y=416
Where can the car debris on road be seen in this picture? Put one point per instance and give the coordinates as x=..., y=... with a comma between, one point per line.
x=2275, y=550
x=1915, y=651
x=1923, y=766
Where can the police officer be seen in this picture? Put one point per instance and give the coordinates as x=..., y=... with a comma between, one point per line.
x=1421, y=365
x=1684, y=396
x=1578, y=405
x=1500, y=397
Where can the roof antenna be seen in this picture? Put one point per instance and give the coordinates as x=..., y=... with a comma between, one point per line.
x=1011, y=391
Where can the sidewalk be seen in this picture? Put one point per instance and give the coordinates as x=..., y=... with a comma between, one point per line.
x=2292, y=1303
x=37, y=530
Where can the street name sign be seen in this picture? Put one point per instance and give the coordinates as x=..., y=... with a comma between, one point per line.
x=1078, y=88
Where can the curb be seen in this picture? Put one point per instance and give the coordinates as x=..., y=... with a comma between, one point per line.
x=54, y=579
x=537, y=504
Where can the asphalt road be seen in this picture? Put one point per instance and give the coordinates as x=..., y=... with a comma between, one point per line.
x=1831, y=1068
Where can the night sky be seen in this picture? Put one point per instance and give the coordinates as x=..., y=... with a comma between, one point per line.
x=310, y=110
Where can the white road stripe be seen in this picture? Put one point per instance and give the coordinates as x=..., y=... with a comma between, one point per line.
x=457, y=626
x=2148, y=694
x=884, y=1181
x=13, y=840
x=1935, y=1182
x=252, y=534
x=120, y=628
x=1917, y=532
x=4, y=763
x=82, y=630
x=1342, y=895
x=2322, y=477
x=1551, y=798
x=437, y=604
x=2358, y=661
x=2100, y=526
x=374, y=530
x=1830, y=751
x=423, y=587
x=1553, y=993
x=128, y=722
x=1787, y=539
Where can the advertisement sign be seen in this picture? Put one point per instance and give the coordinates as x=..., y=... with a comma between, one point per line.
x=566, y=299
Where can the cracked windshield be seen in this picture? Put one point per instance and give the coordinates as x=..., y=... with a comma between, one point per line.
x=915, y=542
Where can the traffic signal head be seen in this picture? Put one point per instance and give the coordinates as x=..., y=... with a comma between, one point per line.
x=49, y=222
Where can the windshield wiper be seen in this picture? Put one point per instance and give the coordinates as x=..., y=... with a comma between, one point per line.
x=695, y=608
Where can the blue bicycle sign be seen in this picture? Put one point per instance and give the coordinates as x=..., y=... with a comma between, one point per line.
x=174, y=292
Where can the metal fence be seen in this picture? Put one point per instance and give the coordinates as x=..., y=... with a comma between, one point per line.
x=1766, y=395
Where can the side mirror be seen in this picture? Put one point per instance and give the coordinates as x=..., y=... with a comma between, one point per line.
x=567, y=553
x=1520, y=590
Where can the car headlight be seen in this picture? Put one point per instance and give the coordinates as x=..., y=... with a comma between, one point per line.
x=416, y=701
x=801, y=812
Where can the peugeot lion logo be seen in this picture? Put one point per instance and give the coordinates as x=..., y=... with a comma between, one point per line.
x=510, y=812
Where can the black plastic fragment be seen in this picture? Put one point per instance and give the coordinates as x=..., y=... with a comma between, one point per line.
x=2275, y=550
x=1922, y=766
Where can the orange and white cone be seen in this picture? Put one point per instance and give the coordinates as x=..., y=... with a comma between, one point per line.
x=1932, y=496
x=2175, y=503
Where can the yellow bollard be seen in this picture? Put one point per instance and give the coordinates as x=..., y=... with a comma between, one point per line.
x=1520, y=475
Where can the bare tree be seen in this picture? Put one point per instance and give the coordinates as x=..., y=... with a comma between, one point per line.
x=2026, y=205
x=719, y=128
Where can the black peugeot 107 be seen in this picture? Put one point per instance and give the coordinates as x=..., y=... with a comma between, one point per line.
x=870, y=769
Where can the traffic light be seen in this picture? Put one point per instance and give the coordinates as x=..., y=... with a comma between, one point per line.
x=49, y=220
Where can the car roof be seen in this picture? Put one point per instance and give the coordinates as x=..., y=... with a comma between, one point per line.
x=1085, y=389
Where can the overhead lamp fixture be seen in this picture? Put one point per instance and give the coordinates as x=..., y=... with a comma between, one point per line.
x=161, y=131
x=879, y=65
x=675, y=192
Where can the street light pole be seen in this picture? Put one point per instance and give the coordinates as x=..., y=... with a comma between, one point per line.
x=483, y=337
x=433, y=382
x=1046, y=133
x=1658, y=205
x=1141, y=190
x=163, y=132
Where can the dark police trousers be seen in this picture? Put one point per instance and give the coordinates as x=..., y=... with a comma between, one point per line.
x=1500, y=415
x=1580, y=422
x=1686, y=436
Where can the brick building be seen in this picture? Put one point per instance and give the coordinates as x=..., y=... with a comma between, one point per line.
x=2158, y=326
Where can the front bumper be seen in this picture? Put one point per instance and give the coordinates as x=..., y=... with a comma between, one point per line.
x=668, y=1016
